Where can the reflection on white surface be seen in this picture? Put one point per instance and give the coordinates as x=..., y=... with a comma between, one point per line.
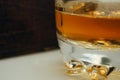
x=38, y=66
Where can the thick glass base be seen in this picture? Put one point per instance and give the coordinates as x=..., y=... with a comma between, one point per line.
x=95, y=62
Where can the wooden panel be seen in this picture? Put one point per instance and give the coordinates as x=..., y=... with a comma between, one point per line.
x=26, y=26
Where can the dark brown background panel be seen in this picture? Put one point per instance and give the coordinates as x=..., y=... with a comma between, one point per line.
x=26, y=26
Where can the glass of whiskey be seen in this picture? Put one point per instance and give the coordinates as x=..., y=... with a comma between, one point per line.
x=88, y=33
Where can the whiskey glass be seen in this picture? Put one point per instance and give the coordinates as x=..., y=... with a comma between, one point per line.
x=88, y=33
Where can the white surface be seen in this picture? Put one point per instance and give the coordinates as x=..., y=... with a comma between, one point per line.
x=38, y=66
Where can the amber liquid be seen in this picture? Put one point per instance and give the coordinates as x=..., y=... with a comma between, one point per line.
x=81, y=27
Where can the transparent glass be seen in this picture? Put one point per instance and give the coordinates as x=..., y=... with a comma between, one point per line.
x=88, y=33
